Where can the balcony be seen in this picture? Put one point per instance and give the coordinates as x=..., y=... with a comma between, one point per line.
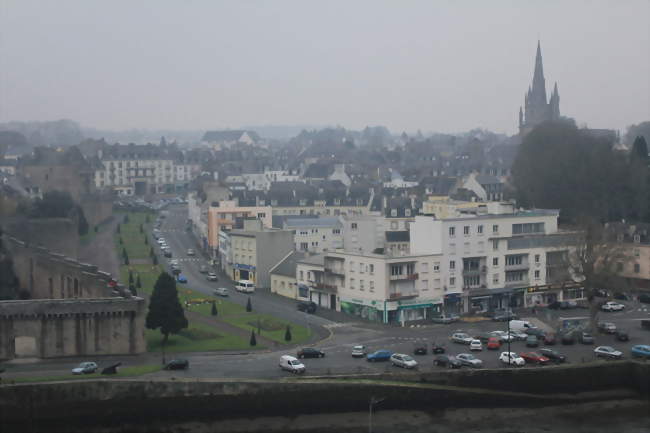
x=518, y=267
x=324, y=287
x=395, y=296
x=475, y=271
x=334, y=271
x=521, y=283
x=411, y=277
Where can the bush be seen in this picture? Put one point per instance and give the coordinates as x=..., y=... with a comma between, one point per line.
x=253, y=341
x=287, y=334
x=214, y=311
x=249, y=306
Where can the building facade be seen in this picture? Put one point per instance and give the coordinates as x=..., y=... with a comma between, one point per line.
x=316, y=235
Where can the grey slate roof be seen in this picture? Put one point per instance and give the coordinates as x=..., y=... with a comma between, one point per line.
x=287, y=266
x=486, y=179
x=313, y=259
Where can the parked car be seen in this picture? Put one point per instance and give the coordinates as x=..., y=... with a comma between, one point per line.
x=607, y=327
x=518, y=335
x=553, y=355
x=622, y=335
x=608, y=352
x=310, y=352
x=469, y=360
x=177, y=364
x=221, y=291
x=289, y=363
x=379, y=355
x=549, y=339
x=504, y=315
x=539, y=333
x=437, y=348
x=586, y=338
x=359, y=351
x=211, y=276
x=568, y=338
x=483, y=336
x=640, y=351
x=612, y=306
x=420, y=348
x=493, y=343
x=203, y=269
x=182, y=279
x=402, y=360
x=535, y=358
x=461, y=338
x=503, y=336
x=475, y=345
x=85, y=368
x=167, y=253
x=191, y=252
x=644, y=298
x=448, y=361
x=445, y=320
x=161, y=240
x=532, y=341
x=307, y=307
x=568, y=305
x=622, y=296
x=511, y=358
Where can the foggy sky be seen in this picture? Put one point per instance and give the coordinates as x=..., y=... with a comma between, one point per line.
x=433, y=65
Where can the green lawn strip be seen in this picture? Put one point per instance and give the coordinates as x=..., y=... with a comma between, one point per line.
x=148, y=276
x=272, y=327
x=197, y=338
x=121, y=372
x=132, y=239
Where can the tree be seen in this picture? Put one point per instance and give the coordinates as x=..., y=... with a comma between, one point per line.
x=259, y=327
x=155, y=260
x=133, y=291
x=126, y=259
x=82, y=223
x=249, y=306
x=165, y=310
x=146, y=218
x=130, y=277
x=287, y=334
x=253, y=341
x=121, y=241
x=146, y=241
x=138, y=284
x=118, y=228
x=214, y=311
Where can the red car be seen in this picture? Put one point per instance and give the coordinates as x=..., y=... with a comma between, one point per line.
x=493, y=343
x=534, y=358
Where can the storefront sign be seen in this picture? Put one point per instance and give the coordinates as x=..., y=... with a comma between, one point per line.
x=244, y=267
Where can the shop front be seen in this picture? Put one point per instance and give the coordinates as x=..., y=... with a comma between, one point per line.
x=483, y=301
x=243, y=272
x=452, y=304
x=366, y=309
x=542, y=296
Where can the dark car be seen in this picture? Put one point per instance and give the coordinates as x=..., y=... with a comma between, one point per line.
x=644, y=298
x=536, y=332
x=622, y=335
x=310, y=352
x=178, y=364
x=554, y=305
x=307, y=307
x=568, y=338
x=379, y=355
x=448, y=361
x=549, y=339
x=437, y=348
x=420, y=349
x=586, y=338
x=483, y=336
x=532, y=341
x=621, y=296
x=504, y=316
x=553, y=355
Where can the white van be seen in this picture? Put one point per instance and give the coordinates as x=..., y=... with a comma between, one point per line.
x=519, y=325
x=245, y=286
x=289, y=363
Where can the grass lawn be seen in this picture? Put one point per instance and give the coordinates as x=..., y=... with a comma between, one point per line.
x=121, y=372
x=132, y=239
x=272, y=327
x=197, y=338
x=148, y=276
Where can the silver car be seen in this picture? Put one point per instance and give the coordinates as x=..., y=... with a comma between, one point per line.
x=402, y=360
x=85, y=368
x=359, y=351
x=608, y=352
x=461, y=337
x=469, y=360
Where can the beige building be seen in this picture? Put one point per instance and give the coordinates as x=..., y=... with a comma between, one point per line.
x=224, y=216
x=283, y=275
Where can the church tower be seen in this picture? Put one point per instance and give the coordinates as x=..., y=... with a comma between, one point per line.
x=536, y=109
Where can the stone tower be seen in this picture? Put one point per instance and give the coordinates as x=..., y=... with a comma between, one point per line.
x=536, y=108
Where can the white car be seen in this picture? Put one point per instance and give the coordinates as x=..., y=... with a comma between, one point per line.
x=469, y=359
x=475, y=345
x=191, y=252
x=503, y=336
x=161, y=241
x=511, y=358
x=612, y=306
x=404, y=361
x=85, y=368
x=212, y=276
x=359, y=351
x=608, y=352
x=461, y=337
x=290, y=363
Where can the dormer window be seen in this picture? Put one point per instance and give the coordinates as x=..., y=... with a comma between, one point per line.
x=303, y=202
x=637, y=239
x=274, y=202
x=393, y=212
x=337, y=201
x=407, y=212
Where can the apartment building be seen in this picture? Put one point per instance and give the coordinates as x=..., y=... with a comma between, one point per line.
x=255, y=250
x=316, y=235
x=226, y=214
x=495, y=255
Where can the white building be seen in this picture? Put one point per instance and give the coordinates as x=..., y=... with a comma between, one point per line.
x=497, y=255
x=316, y=235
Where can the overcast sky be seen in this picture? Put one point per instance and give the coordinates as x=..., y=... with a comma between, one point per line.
x=434, y=65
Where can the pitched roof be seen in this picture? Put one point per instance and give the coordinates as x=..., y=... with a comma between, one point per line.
x=313, y=259
x=287, y=266
x=319, y=171
x=486, y=179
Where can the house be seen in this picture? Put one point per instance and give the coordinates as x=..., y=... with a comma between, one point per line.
x=283, y=275
x=225, y=215
x=221, y=140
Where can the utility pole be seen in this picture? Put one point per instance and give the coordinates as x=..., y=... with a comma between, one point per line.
x=372, y=402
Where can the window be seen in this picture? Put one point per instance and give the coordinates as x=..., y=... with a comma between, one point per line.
x=351, y=283
x=261, y=215
x=314, y=244
x=436, y=267
x=407, y=212
x=372, y=269
x=471, y=281
x=479, y=230
x=452, y=281
x=353, y=226
x=361, y=285
x=495, y=279
x=537, y=275
x=536, y=258
x=393, y=225
x=351, y=266
x=495, y=244
x=519, y=229
x=466, y=230
x=304, y=246
x=371, y=285
x=515, y=276
x=637, y=268
x=514, y=260
x=495, y=228
x=410, y=269
x=393, y=212
x=425, y=267
x=452, y=232
x=304, y=232
x=637, y=239
x=425, y=285
x=361, y=267
x=302, y=275
x=495, y=261
x=452, y=264
x=396, y=270
x=336, y=231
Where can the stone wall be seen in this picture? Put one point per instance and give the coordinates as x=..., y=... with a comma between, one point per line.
x=68, y=327
x=56, y=234
x=97, y=208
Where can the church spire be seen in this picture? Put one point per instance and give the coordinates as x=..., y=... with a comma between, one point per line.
x=539, y=84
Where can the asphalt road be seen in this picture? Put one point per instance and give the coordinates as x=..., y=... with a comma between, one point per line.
x=337, y=337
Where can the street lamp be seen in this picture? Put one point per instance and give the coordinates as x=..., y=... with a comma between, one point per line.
x=372, y=402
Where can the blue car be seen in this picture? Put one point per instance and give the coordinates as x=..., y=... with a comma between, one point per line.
x=380, y=355
x=182, y=279
x=641, y=351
